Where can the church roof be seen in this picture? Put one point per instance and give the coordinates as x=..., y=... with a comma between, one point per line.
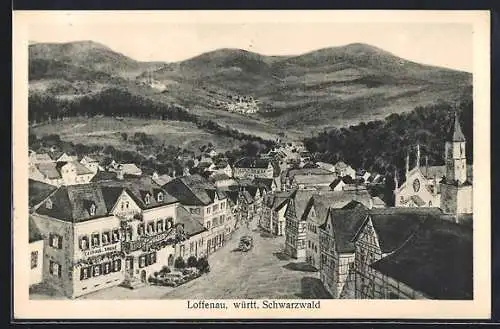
x=456, y=134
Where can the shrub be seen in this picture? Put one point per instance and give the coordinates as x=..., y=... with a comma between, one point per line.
x=152, y=279
x=203, y=265
x=179, y=263
x=155, y=274
x=192, y=261
x=165, y=270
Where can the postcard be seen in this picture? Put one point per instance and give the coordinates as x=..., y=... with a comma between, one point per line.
x=251, y=164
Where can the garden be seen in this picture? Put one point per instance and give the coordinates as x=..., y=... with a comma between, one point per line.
x=183, y=271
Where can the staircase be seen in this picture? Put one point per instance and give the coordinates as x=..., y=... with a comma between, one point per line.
x=132, y=283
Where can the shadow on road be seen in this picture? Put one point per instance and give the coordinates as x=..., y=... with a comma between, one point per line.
x=312, y=288
x=281, y=255
x=301, y=266
x=267, y=235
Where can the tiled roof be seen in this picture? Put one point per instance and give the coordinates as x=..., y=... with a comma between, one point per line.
x=193, y=190
x=437, y=261
x=344, y=225
x=314, y=179
x=139, y=187
x=264, y=182
x=72, y=203
x=162, y=179
x=88, y=159
x=34, y=231
x=301, y=200
x=219, y=177
x=130, y=168
x=277, y=200
x=191, y=225
x=417, y=200
x=49, y=170
x=102, y=176
x=38, y=192
x=395, y=225
x=110, y=195
x=252, y=162
x=339, y=199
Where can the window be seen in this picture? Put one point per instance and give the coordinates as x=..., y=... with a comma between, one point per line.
x=34, y=259
x=160, y=197
x=170, y=223
x=106, y=238
x=142, y=261
x=116, y=235
x=208, y=224
x=208, y=210
x=223, y=205
x=55, y=241
x=48, y=204
x=122, y=205
x=309, y=244
x=84, y=242
x=95, y=240
x=84, y=273
x=140, y=229
x=191, y=247
x=97, y=270
x=222, y=219
x=151, y=227
x=107, y=268
x=147, y=199
x=151, y=259
x=159, y=226
x=92, y=210
x=127, y=204
x=117, y=265
x=128, y=234
x=54, y=269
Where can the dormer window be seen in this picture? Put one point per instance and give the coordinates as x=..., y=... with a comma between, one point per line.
x=48, y=204
x=160, y=197
x=92, y=209
x=147, y=199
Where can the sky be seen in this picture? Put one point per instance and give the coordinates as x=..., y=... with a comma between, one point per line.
x=435, y=43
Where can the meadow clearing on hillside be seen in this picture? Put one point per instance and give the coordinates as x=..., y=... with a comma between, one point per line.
x=108, y=131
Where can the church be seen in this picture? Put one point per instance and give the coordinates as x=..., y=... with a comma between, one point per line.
x=448, y=187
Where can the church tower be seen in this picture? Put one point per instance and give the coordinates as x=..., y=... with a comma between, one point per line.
x=456, y=166
x=456, y=189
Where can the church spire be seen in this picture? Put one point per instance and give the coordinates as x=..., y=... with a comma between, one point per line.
x=457, y=134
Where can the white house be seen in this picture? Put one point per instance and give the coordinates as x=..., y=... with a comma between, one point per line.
x=36, y=253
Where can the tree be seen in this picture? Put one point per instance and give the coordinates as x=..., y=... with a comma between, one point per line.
x=179, y=263
x=124, y=136
x=192, y=261
x=203, y=266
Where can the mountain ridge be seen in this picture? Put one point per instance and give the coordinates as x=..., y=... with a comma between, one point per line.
x=315, y=89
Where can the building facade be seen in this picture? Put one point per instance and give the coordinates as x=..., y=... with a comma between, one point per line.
x=253, y=167
x=207, y=204
x=82, y=240
x=36, y=248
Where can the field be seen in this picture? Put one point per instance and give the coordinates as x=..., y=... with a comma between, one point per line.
x=108, y=131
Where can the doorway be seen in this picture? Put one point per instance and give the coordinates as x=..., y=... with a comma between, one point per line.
x=143, y=276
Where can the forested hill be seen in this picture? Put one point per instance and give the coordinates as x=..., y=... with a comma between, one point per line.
x=382, y=145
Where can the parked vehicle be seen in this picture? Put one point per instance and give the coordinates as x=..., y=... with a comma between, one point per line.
x=246, y=243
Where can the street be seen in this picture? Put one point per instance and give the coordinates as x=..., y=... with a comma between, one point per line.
x=263, y=272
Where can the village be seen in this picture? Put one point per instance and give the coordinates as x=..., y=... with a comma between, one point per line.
x=317, y=230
